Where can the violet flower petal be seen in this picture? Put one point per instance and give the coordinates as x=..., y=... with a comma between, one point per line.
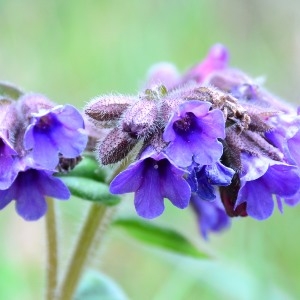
x=148, y=198
x=128, y=180
x=153, y=178
x=8, y=170
x=54, y=131
x=29, y=190
x=211, y=215
x=218, y=174
x=262, y=178
x=294, y=146
x=193, y=133
x=44, y=150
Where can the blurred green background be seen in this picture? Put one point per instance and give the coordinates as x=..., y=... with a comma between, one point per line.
x=75, y=50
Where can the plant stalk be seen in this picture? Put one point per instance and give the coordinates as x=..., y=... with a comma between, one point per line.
x=52, y=250
x=97, y=219
x=94, y=219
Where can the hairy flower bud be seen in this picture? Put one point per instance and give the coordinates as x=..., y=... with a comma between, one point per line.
x=108, y=108
x=8, y=118
x=140, y=119
x=115, y=146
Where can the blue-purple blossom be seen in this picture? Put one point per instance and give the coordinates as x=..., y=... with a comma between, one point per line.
x=294, y=146
x=202, y=179
x=29, y=191
x=211, y=215
x=55, y=131
x=285, y=135
x=193, y=133
x=261, y=178
x=290, y=201
x=152, y=178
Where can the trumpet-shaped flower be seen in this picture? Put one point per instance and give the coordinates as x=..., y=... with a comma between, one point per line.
x=29, y=191
x=261, y=179
x=55, y=131
x=193, y=133
x=152, y=178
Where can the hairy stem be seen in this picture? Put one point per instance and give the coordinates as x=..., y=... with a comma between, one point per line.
x=95, y=217
x=52, y=254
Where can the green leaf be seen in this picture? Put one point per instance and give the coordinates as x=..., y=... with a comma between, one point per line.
x=94, y=286
x=88, y=168
x=158, y=236
x=9, y=90
x=89, y=189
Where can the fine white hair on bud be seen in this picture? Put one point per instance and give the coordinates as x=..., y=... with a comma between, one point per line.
x=6, y=112
x=9, y=121
x=108, y=108
x=115, y=146
x=33, y=103
x=140, y=119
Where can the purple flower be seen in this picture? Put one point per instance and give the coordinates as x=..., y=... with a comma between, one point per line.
x=211, y=215
x=7, y=159
x=207, y=176
x=294, y=145
x=29, y=190
x=54, y=131
x=290, y=201
x=153, y=177
x=261, y=178
x=217, y=59
x=193, y=133
x=285, y=135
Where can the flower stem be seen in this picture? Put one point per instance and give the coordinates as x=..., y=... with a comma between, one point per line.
x=94, y=219
x=97, y=218
x=52, y=255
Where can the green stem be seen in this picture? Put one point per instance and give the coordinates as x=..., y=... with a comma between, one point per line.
x=51, y=236
x=95, y=217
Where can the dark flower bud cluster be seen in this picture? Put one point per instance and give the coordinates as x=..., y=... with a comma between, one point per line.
x=212, y=138
x=37, y=139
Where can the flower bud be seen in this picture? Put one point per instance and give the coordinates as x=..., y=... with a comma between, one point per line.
x=8, y=118
x=108, y=108
x=115, y=146
x=140, y=119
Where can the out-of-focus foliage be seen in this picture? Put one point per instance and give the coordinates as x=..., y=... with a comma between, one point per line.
x=74, y=50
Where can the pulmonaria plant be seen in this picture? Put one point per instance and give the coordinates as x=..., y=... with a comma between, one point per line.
x=212, y=137
x=35, y=135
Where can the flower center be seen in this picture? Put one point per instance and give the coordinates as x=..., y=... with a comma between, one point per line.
x=184, y=124
x=45, y=122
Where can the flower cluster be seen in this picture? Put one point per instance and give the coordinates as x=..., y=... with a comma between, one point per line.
x=212, y=138
x=35, y=137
